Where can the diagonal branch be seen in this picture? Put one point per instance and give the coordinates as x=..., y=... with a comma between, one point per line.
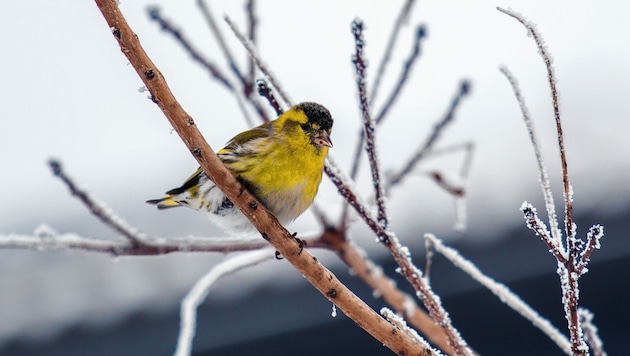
x=464, y=90
x=100, y=211
x=387, y=54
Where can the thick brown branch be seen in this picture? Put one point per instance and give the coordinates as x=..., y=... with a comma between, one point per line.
x=264, y=221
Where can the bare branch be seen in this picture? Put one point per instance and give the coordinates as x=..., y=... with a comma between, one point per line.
x=464, y=89
x=593, y=237
x=205, y=10
x=148, y=246
x=400, y=20
x=551, y=77
x=252, y=26
x=105, y=215
x=199, y=292
x=502, y=292
x=166, y=26
x=262, y=219
x=404, y=75
x=590, y=332
x=538, y=226
x=251, y=49
x=542, y=171
x=265, y=91
x=369, y=126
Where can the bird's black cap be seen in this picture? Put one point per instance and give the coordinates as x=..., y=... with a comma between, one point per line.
x=317, y=114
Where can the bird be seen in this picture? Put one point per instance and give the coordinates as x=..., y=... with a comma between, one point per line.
x=280, y=162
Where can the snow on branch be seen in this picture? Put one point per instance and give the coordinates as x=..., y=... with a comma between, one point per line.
x=502, y=292
x=542, y=171
x=591, y=333
x=107, y=216
x=572, y=257
x=400, y=323
x=253, y=53
x=199, y=292
x=369, y=126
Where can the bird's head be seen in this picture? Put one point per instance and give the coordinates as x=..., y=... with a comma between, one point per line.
x=316, y=122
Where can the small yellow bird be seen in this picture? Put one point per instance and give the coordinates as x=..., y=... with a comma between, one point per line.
x=280, y=162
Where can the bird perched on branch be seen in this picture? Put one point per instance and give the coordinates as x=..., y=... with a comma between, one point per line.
x=280, y=162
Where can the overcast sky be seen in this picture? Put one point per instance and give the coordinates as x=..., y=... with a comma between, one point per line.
x=67, y=92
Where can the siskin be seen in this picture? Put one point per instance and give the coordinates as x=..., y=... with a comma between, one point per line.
x=280, y=162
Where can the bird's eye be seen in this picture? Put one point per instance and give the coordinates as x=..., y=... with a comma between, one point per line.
x=306, y=127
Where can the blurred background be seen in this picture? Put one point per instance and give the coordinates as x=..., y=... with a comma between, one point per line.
x=68, y=93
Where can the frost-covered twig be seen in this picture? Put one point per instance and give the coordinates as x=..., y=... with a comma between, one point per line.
x=551, y=77
x=424, y=149
x=207, y=14
x=252, y=26
x=369, y=126
x=253, y=53
x=199, y=292
x=590, y=332
x=215, y=72
x=197, y=56
x=45, y=238
x=538, y=226
x=593, y=237
x=502, y=291
x=105, y=215
x=573, y=257
x=265, y=91
x=402, y=80
x=400, y=323
x=404, y=75
x=542, y=171
x=387, y=53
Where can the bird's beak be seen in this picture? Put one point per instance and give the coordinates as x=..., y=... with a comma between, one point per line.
x=321, y=138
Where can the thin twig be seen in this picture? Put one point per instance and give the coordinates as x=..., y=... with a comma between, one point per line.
x=105, y=215
x=591, y=333
x=369, y=126
x=199, y=292
x=538, y=226
x=542, y=170
x=403, y=15
x=205, y=10
x=424, y=149
x=167, y=26
x=251, y=49
x=404, y=75
x=252, y=26
x=265, y=91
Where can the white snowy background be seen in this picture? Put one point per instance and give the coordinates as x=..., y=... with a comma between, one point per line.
x=67, y=92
